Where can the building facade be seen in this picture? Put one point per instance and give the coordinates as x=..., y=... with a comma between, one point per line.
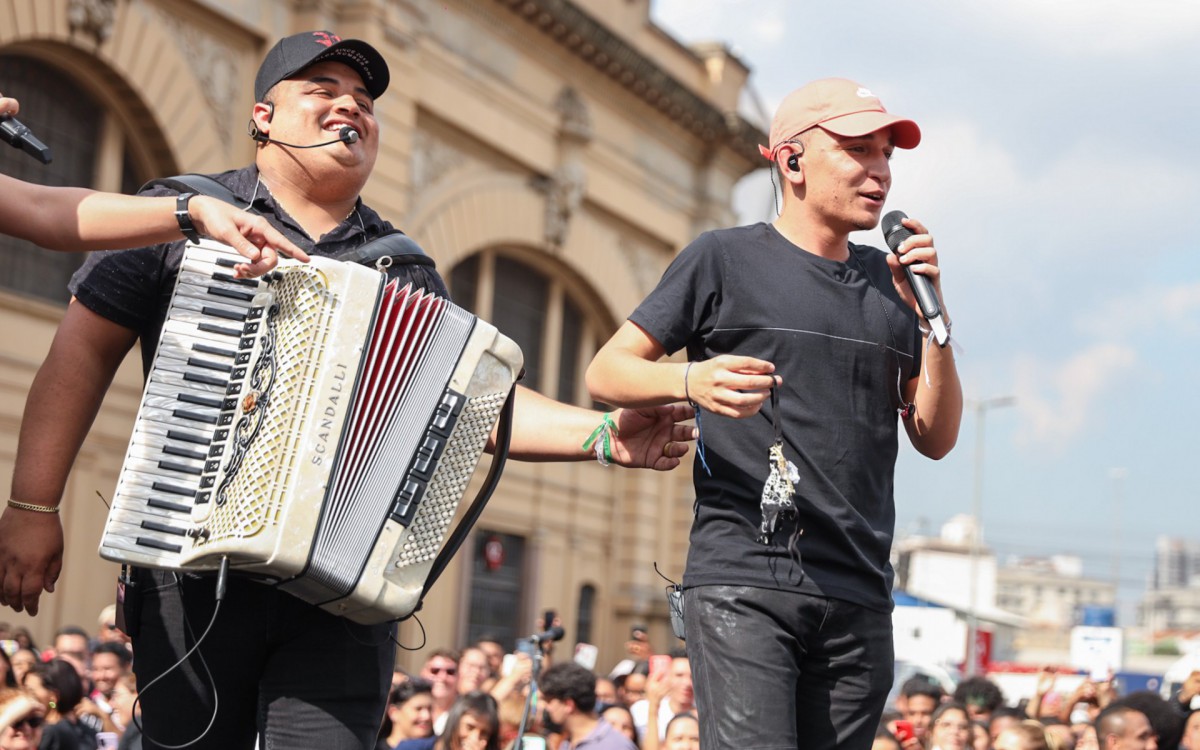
x=551, y=155
x=1176, y=562
x=1051, y=591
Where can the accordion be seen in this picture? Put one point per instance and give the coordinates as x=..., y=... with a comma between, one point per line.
x=317, y=427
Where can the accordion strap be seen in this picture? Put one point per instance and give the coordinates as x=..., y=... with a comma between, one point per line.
x=459, y=535
x=200, y=183
x=388, y=249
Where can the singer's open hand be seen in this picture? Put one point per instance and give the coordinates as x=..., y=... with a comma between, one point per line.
x=31, y=549
x=919, y=254
x=731, y=385
x=652, y=438
x=250, y=235
x=8, y=106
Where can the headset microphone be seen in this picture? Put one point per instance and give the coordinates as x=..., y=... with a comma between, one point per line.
x=346, y=135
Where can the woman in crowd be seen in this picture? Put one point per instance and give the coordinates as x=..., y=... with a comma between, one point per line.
x=21, y=662
x=620, y=719
x=950, y=728
x=472, y=724
x=1028, y=735
x=123, y=698
x=56, y=685
x=20, y=720
x=409, y=712
x=24, y=638
x=683, y=733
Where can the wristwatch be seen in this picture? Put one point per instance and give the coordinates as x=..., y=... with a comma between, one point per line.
x=185, y=219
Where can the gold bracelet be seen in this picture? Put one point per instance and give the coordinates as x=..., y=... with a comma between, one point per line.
x=29, y=506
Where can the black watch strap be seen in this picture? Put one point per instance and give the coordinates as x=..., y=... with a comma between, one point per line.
x=185, y=219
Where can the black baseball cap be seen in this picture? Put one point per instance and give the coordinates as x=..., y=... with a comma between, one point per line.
x=294, y=53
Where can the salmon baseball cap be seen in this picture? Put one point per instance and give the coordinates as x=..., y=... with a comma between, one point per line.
x=841, y=107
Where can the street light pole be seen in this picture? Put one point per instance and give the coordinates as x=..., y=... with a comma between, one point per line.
x=1118, y=479
x=980, y=408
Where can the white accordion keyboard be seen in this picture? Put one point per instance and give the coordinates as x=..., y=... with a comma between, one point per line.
x=318, y=427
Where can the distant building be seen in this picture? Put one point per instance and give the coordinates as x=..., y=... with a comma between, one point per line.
x=1173, y=602
x=1051, y=591
x=1176, y=563
x=954, y=572
x=1176, y=608
x=939, y=568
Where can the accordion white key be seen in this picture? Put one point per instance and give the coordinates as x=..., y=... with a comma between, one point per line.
x=317, y=427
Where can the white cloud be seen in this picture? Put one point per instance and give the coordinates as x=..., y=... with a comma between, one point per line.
x=1088, y=202
x=704, y=20
x=1058, y=401
x=1173, y=309
x=1122, y=28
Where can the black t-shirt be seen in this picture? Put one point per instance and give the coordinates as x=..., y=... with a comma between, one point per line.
x=844, y=344
x=133, y=287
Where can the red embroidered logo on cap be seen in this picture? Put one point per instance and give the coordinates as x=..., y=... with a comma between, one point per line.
x=324, y=37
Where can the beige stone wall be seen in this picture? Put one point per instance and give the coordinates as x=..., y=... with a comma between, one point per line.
x=474, y=133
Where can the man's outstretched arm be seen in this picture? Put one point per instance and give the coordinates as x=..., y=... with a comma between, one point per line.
x=549, y=430
x=627, y=371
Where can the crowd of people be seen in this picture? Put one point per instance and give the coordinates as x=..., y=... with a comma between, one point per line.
x=80, y=692
x=478, y=698
x=77, y=694
x=1094, y=716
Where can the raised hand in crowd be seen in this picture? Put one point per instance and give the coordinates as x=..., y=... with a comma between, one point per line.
x=658, y=687
x=1045, y=684
x=1190, y=689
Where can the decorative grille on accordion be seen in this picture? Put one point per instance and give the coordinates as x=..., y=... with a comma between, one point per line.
x=317, y=427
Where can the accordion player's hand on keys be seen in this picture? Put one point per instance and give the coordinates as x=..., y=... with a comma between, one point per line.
x=318, y=426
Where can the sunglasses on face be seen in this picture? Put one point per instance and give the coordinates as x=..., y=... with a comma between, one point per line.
x=451, y=671
x=32, y=722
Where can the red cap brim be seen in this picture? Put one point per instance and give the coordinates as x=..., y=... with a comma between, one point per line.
x=905, y=133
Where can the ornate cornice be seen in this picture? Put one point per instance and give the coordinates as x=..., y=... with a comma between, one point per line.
x=592, y=42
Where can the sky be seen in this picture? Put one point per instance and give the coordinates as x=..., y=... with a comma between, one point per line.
x=1059, y=174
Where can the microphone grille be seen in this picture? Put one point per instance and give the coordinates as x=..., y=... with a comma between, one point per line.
x=893, y=231
x=348, y=134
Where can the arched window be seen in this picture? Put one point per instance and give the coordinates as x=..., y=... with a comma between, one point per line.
x=79, y=133
x=546, y=312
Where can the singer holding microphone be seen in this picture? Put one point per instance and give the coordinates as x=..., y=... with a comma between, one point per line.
x=74, y=219
x=787, y=601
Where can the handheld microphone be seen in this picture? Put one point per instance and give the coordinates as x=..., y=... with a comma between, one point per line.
x=346, y=135
x=553, y=634
x=14, y=133
x=895, y=234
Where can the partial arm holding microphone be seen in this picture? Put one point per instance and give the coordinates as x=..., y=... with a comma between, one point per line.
x=14, y=133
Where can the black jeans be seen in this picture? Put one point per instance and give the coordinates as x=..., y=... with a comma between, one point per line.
x=779, y=669
x=298, y=675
